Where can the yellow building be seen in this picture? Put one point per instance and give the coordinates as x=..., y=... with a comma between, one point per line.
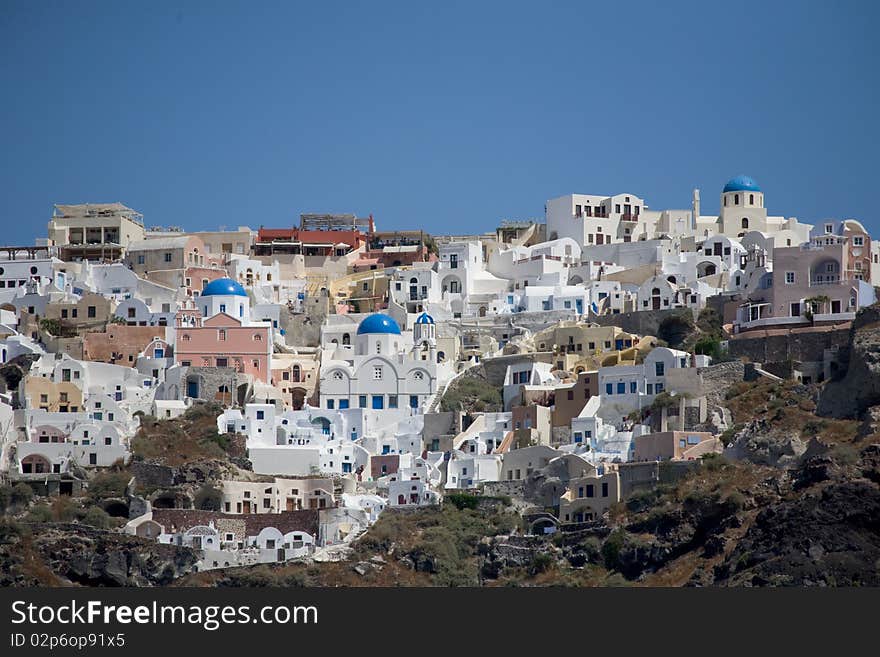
x=42, y=392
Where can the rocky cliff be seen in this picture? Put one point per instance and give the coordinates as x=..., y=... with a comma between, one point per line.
x=64, y=554
x=850, y=394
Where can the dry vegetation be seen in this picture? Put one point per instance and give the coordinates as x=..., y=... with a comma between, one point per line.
x=787, y=407
x=192, y=437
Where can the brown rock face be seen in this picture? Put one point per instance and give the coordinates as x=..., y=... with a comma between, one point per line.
x=859, y=388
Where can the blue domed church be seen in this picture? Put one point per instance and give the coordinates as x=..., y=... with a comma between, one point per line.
x=385, y=369
x=742, y=207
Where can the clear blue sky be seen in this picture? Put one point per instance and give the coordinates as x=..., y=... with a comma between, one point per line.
x=446, y=116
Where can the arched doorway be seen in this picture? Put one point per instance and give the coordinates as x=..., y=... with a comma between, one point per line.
x=655, y=298
x=297, y=398
x=223, y=395
x=35, y=464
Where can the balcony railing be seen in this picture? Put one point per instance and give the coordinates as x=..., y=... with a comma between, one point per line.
x=814, y=282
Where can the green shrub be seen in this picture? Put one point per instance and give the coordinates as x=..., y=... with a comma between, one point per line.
x=39, y=514
x=642, y=500
x=729, y=434
x=814, y=427
x=714, y=462
x=63, y=509
x=221, y=440
x=109, y=483
x=709, y=346
x=96, y=517
x=463, y=500
x=10, y=531
x=5, y=498
x=542, y=562
x=736, y=501
x=471, y=392
x=611, y=548
x=50, y=326
x=21, y=495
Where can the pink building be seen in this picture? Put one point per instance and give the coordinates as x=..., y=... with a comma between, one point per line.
x=219, y=333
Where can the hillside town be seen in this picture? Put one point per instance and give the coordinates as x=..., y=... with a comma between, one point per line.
x=266, y=395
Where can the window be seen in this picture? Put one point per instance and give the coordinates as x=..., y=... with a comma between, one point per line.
x=331, y=404
x=377, y=373
x=829, y=228
x=609, y=389
x=141, y=259
x=362, y=401
x=789, y=277
x=222, y=362
x=91, y=311
x=392, y=401
x=261, y=415
x=659, y=368
x=604, y=490
x=858, y=240
x=633, y=387
x=167, y=256
x=222, y=307
x=736, y=199
x=221, y=335
x=453, y=261
x=590, y=490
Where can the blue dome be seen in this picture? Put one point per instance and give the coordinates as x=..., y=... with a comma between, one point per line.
x=741, y=184
x=378, y=323
x=223, y=287
x=424, y=318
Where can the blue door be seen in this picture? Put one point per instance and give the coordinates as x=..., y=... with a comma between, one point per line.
x=413, y=401
x=192, y=389
x=579, y=306
x=343, y=403
x=378, y=402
